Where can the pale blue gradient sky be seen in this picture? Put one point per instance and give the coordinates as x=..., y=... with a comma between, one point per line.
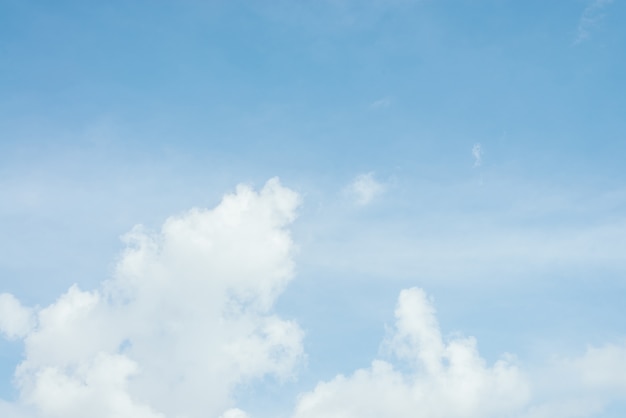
x=124, y=112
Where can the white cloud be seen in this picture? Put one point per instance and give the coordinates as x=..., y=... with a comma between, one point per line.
x=590, y=18
x=438, y=378
x=477, y=153
x=185, y=319
x=364, y=188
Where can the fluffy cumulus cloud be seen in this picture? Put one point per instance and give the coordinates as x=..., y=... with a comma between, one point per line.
x=437, y=378
x=186, y=318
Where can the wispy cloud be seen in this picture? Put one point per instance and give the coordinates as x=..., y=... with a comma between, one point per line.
x=381, y=103
x=477, y=153
x=541, y=230
x=590, y=18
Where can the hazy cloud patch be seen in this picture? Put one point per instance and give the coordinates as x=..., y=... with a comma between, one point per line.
x=15, y=320
x=364, y=189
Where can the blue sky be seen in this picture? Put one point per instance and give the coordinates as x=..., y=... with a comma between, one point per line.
x=470, y=149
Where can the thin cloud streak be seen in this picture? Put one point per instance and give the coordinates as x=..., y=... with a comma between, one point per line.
x=590, y=19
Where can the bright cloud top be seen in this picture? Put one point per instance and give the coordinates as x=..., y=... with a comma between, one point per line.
x=365, y=188
x=187, y=317
x=442, y=379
